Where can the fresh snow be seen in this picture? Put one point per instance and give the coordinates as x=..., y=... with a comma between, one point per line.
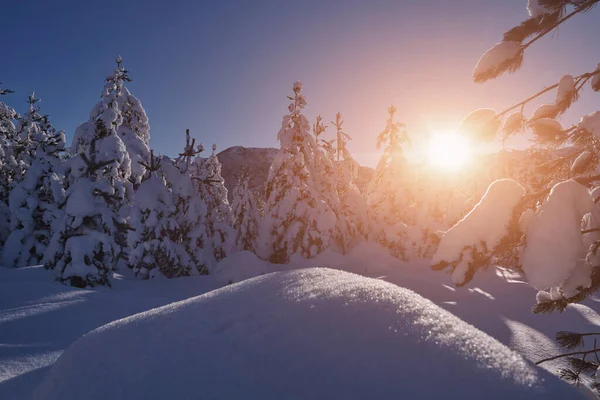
x=496, y=58
x=591, y=124
x=30, y=299
x=313, y=333
x=485, y=225
x=554, y=240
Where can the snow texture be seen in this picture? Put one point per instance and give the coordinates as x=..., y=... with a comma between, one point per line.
x=591, y=124
x=313, y=333
x=554, y=240
x=535, y=9
x=480, y=124
x=481, y=229
x=497, y=60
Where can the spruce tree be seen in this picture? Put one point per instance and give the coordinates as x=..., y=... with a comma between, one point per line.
x=190, y=210
x=7, y=132
x=90, y=240
x=353, y=203
x=388, y=195
x=34, y=201
x=153, y=223
x=218, y=240
x=246, y=217
x=297, y=219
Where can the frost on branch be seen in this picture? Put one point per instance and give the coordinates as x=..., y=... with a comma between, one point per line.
x=469, y=244
x=503, y=57
x=554, y=241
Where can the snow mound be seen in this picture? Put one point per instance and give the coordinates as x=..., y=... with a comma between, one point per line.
x=303, y=334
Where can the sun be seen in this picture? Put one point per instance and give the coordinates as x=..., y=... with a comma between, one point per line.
x=448, y=150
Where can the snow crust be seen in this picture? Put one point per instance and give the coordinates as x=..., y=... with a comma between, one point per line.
x=314, y=333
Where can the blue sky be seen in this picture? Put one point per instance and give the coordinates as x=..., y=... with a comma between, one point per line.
x=224, y=68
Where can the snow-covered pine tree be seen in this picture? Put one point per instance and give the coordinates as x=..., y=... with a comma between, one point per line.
x=135, y=129
x=7, y=131
x=34, y=200
x=190, y=210
x=219, y=239
x=246, y=217
x=388, y=193
x=353, y=203
x=297, y=219
x=550, y=235
x=90, y=239
x=326, y=178
x=153, y=223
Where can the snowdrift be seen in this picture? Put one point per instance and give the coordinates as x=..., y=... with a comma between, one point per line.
x=303, y=334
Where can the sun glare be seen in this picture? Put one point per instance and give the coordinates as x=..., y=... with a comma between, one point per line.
x=448, y=150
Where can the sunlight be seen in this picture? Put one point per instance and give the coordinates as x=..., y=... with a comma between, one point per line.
x=448, y=150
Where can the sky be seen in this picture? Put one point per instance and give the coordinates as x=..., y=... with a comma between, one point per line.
x=223, y=69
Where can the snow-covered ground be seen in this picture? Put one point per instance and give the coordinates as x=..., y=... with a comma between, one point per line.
x=40, y=318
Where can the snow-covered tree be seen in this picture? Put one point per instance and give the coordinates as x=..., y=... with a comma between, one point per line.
x=133, y=128
x=190, y=210
x=90, y=239
x=552, y=234
x=218, y=241
x=352, y=204
x=246, y=217
x=388, y=193
x=297, y=219
x=34, y=200
x=153, y=223
x=7, y=132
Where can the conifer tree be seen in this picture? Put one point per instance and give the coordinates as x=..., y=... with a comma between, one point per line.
x=190, y=210
x=353, y=203
x=218, y=240
x=34, y=201
x=388, y=195
x=7, y=131
x=153, y=222
x=246, y=215
x=90, y=240
x=297, y=218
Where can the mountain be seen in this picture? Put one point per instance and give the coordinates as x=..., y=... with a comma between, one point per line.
x=257, y=161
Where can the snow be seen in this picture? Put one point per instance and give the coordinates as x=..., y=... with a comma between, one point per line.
x=513, y=123
x=481, y=124
x=582, y=161
x=485, y=225
x=497, y=59
x=566, y=90
x=273, y=337
x=554, y=240
x=242, y=265
x=545, y=111
x=546, y=129
x=590, y=123
x=535, y=9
